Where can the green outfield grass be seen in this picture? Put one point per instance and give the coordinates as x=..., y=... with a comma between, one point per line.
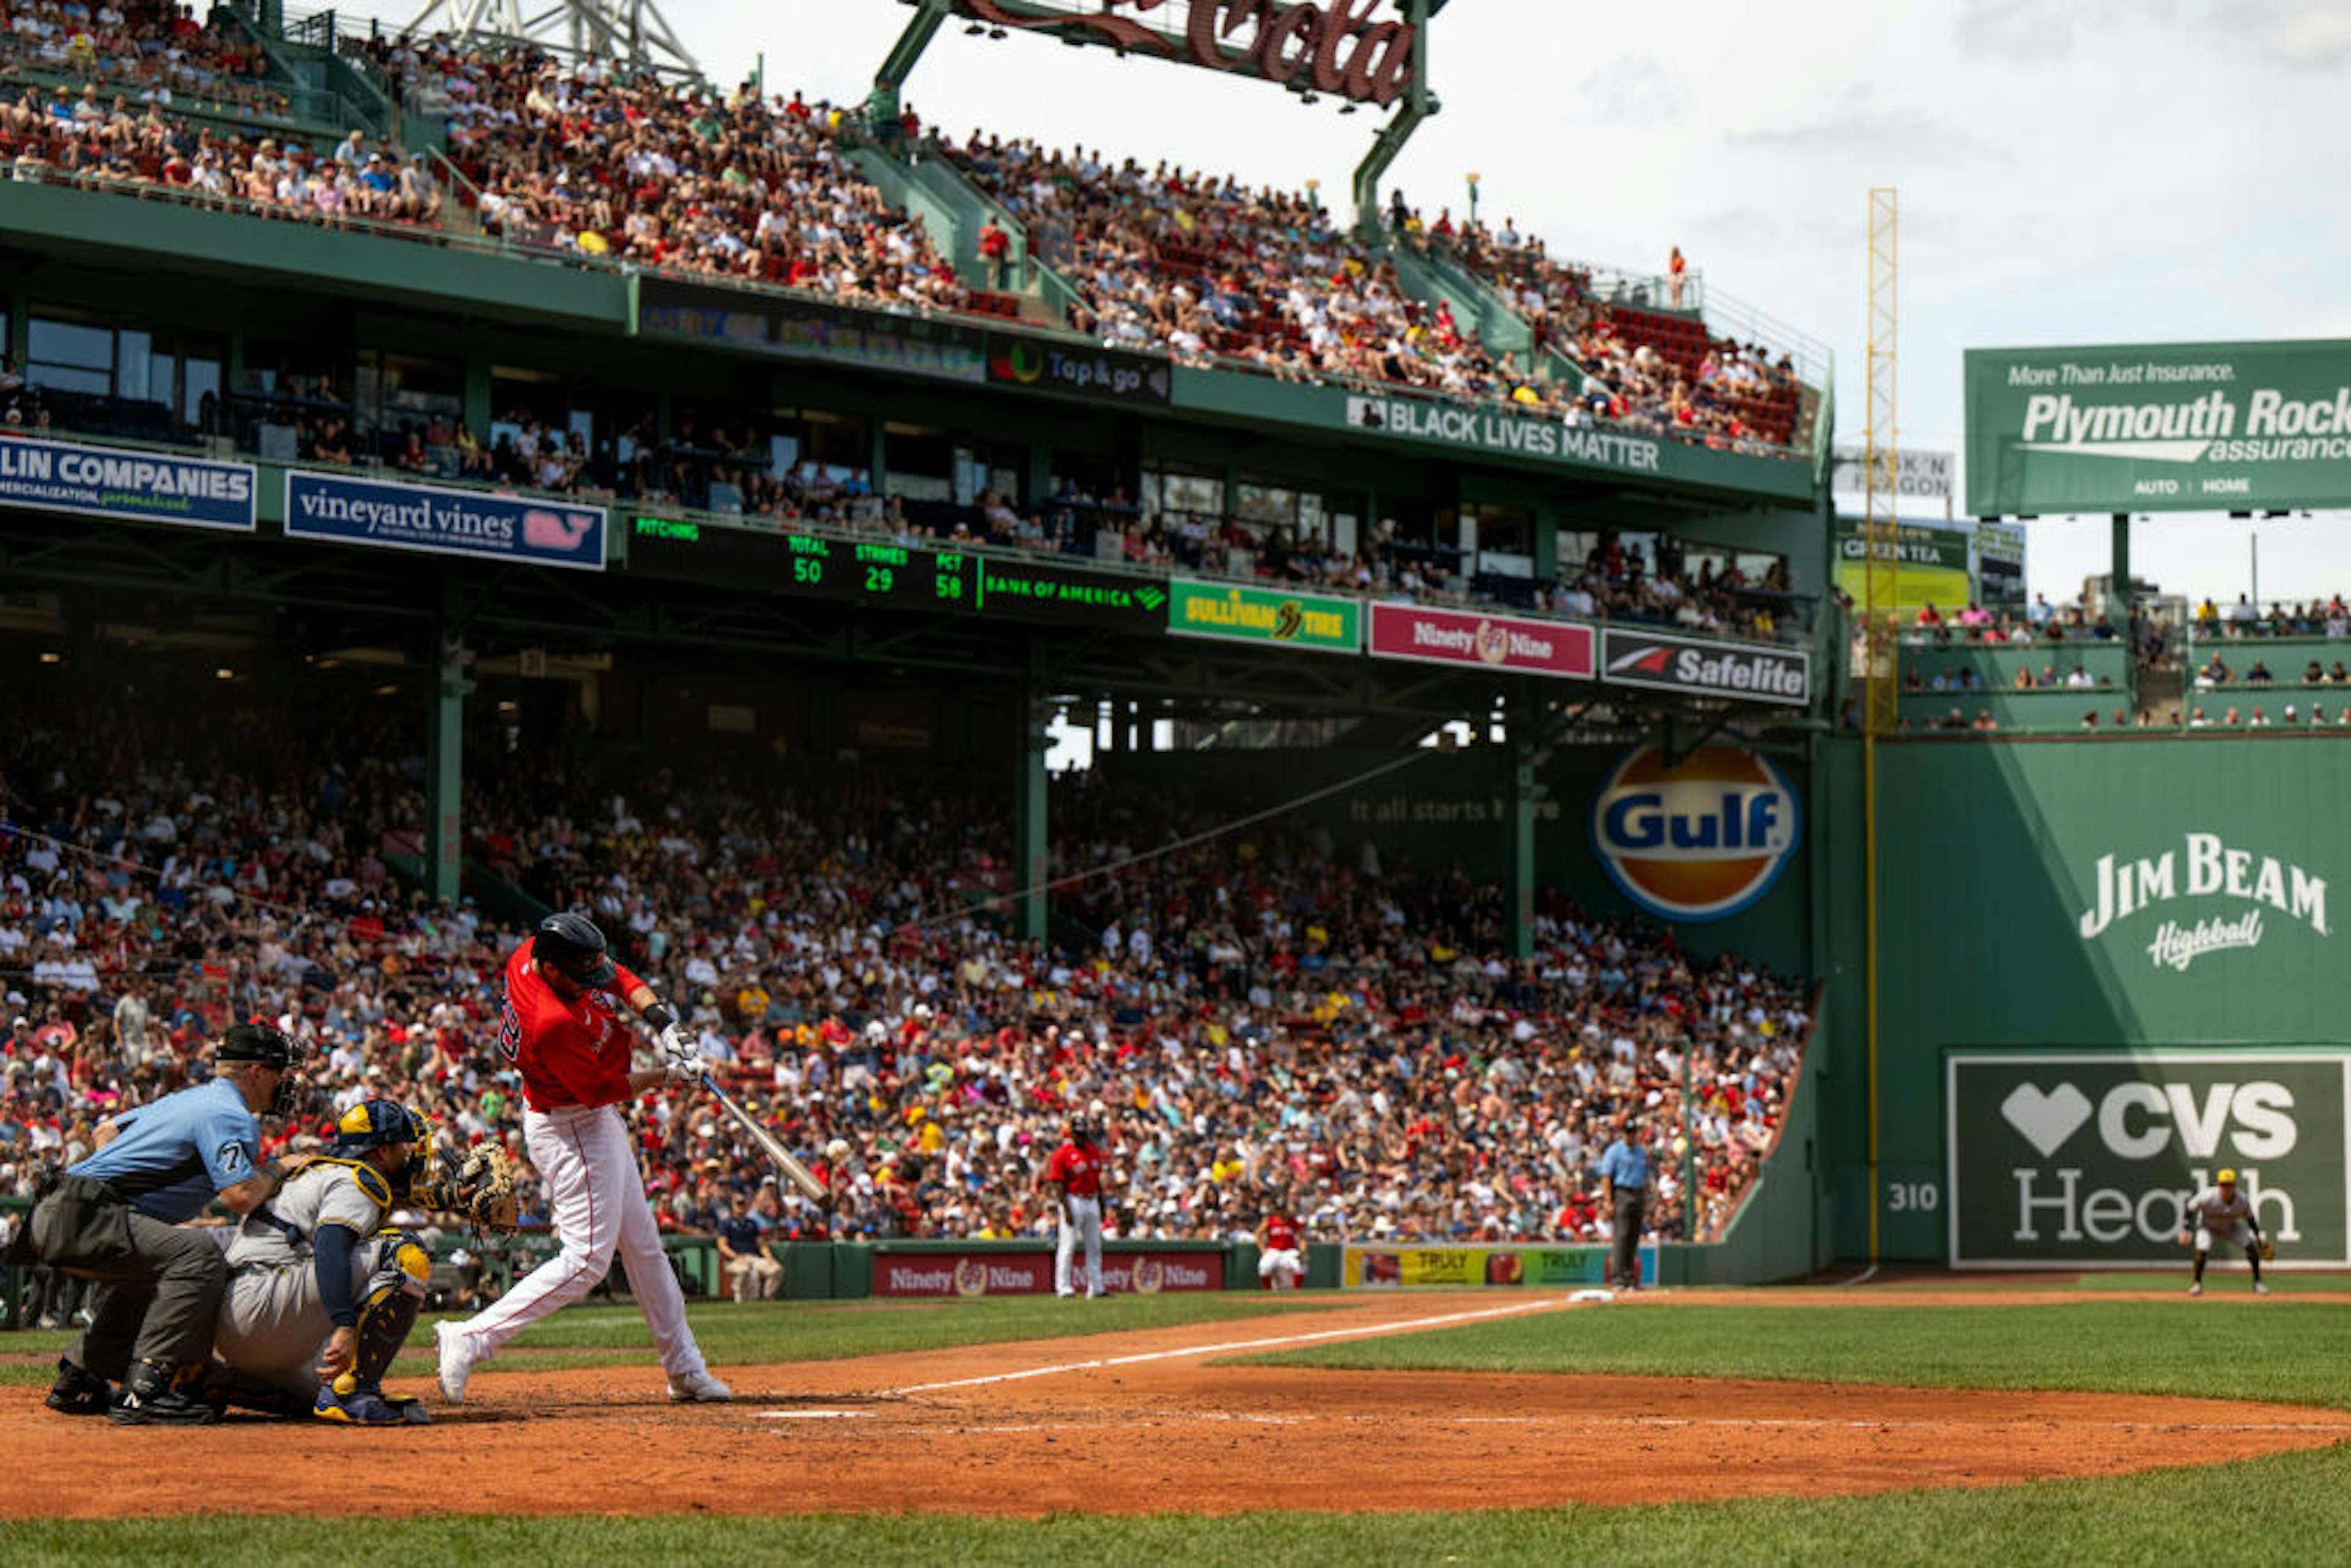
x=2252, y=1511
x=614, y=1335
x=2246, y=1349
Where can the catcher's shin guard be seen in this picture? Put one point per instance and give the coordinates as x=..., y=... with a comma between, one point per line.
x=395, y=1292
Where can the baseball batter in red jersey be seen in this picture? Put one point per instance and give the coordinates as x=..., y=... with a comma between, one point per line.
x=1277, y=1257
x=1075, y=1173
x=561, y=1029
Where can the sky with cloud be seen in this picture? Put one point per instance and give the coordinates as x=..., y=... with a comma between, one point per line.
x=2071, y=172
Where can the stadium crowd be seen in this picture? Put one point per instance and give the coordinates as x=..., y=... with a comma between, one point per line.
x=157, y=55
x=589, y=160
x=1652, y=370
x=1272, y=1022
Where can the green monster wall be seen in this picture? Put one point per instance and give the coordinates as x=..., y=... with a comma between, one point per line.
x=2145, y=934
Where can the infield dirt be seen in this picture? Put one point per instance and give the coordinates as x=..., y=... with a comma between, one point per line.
x=1131, y=1423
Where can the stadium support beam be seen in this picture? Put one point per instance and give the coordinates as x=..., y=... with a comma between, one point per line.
x=444, y=757
x=2118, y=598
x=1031, y=830
x=1418, y=105
x=632, y=31
x=905, y=53
x=1527, y=756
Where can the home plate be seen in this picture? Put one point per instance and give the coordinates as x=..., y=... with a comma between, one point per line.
x=810, y=1415
x=1593, y=1296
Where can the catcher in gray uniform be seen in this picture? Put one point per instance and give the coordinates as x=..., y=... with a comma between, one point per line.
x=320, y=1292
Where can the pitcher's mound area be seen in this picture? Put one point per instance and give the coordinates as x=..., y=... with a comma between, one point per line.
x=1124, y=1422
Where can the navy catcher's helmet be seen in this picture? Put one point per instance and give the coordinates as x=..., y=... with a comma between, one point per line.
x=373, y=1123
x=570, y=944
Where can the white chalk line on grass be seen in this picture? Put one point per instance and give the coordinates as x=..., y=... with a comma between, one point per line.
x=1361, y=1331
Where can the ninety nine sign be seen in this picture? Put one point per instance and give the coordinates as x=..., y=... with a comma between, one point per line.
x=1490, y=641
x=2087, y=1159
x=2180, y=427
x=1667, y=663
x=1334, y=48
x=134, y=486
x=1321, y=621
x=443, y=521
x=1006, y=1272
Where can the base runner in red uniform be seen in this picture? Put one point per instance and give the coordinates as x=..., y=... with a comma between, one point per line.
x=562, y=1029
x=1276, y=1253
x=1075, y=1173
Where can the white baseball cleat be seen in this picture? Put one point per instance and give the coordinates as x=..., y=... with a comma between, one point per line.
x=2196, y=1289
x=700, y=1388
x=456, y=1361
x=2260, y=1288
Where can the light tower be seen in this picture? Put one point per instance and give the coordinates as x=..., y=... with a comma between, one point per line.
x=632, y=31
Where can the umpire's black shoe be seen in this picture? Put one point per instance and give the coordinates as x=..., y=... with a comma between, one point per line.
x=150, y=1399
x=79, y=1392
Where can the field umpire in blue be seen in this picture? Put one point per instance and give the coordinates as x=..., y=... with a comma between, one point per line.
x=116, y=1219
x=1625, y=1168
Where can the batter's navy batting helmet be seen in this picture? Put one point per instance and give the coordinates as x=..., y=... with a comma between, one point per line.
x=571, y=946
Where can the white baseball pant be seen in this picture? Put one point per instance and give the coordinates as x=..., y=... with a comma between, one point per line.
x=2205, y=1237
x=1281, y=1265
x=599, y=1206
x=1081, y=1216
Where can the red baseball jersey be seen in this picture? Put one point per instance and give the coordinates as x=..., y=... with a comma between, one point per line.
x=1281, y=1234
x=570, y=1053
x=1077, y=1167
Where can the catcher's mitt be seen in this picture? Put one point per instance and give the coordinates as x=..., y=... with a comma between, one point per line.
x=482, y=1189
x=2268, y=1251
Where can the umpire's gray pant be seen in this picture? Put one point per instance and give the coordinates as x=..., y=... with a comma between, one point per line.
x=1632, y=1203
x=159, y=1285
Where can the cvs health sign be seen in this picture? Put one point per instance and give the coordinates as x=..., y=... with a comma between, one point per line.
x=2088, y=1159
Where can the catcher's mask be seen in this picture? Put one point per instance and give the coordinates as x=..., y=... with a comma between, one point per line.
x=387, y=1124
x=271, y=1047
x=570, y=944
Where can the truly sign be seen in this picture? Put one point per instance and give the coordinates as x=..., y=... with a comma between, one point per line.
x=2087, y=1159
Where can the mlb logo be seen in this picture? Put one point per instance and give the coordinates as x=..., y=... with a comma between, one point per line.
x=1364, y=413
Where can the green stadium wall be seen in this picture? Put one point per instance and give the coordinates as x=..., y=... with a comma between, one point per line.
x=1990, y=856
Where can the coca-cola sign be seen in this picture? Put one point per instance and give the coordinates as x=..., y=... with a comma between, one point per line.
x=1334, y=48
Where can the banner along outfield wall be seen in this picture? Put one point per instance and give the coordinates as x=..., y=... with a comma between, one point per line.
x=2044, y=904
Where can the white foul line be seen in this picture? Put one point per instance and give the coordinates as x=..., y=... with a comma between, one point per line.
x=1360, y=1332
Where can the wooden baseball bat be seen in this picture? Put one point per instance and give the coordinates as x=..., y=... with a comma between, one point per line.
x=772, y=1147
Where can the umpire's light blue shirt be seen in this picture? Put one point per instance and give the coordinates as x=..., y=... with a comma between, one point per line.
x=168, y=1158
x=1624, y=1164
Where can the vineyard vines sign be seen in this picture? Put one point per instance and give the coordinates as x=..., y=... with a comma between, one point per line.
x=1334, y=48
x=2212, y=870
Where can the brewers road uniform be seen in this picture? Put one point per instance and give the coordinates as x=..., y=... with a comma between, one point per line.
x=2218, y=1218
x=279, y=1313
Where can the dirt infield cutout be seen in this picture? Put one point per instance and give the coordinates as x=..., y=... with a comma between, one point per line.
x=1138, y=1422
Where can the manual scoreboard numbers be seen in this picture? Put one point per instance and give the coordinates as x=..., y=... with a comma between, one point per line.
x=882, y=575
